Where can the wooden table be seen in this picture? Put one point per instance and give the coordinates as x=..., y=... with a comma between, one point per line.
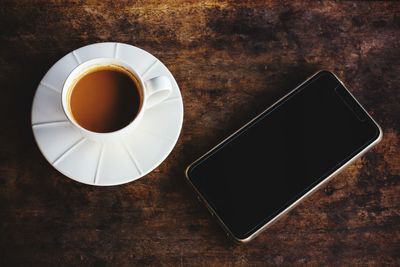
x=231, y=59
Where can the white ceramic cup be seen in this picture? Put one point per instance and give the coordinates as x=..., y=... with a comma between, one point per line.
x=153, y=92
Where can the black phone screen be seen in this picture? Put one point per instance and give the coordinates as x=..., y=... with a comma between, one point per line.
x=270, y=163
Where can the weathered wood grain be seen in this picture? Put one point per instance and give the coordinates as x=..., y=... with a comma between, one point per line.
x=231, y=59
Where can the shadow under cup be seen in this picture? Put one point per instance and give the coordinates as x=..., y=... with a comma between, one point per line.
x=105, y=98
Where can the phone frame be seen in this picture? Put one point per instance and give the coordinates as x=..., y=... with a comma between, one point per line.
x=308, y=193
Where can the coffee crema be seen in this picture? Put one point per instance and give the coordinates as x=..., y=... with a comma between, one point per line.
x=105, y=98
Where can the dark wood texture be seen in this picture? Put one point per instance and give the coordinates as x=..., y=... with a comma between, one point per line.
x=231, y=59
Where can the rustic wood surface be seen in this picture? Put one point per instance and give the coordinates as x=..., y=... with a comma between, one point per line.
x=231, y=59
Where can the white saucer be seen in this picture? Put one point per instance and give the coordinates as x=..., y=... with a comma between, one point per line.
x=113, y=163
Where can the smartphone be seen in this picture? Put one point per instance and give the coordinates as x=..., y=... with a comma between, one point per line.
x=284, y=154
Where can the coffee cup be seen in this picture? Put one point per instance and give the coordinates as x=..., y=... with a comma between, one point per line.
x=82, y=110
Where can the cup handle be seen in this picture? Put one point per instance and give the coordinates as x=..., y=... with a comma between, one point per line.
x=157, y=90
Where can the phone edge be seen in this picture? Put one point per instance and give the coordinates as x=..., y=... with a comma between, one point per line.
x=307, y=194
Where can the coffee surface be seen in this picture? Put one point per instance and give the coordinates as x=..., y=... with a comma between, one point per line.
x=105, y=99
